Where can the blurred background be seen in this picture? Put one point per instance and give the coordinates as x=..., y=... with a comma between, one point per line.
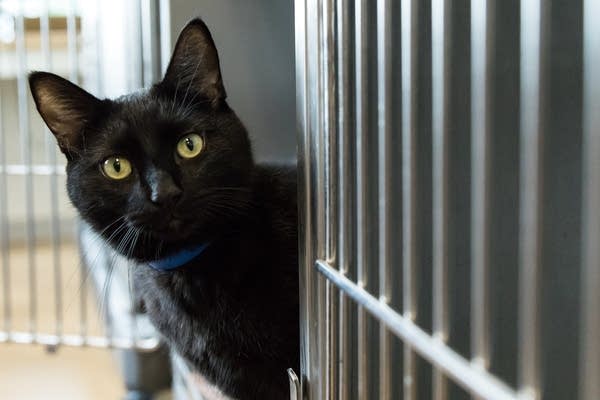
x=66, y=330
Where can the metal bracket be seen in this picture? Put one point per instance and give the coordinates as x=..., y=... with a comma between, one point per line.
x=294, y=385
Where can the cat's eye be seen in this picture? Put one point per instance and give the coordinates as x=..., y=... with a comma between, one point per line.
x=116, y=167
x=190, y=145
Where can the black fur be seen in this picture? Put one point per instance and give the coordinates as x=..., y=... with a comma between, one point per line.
x=233, y=311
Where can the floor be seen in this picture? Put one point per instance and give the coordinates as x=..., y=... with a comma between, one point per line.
x=30, y=372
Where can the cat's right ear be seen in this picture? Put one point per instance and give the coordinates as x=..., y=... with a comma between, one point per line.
x=64, y=107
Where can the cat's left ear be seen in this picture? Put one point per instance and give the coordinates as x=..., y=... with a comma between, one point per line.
x=195, y=64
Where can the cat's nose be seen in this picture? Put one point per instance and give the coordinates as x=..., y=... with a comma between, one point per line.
x=165, y=195
x=163, y=190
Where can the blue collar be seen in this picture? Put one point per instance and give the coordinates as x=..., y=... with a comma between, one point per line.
x=178, y=259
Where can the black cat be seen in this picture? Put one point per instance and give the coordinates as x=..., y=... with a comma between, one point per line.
x=166, y=176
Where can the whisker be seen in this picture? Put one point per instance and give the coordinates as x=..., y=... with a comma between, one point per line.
x=191, y=81
x=175, y=95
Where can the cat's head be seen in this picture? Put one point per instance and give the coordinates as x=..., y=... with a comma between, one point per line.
x=170, y=165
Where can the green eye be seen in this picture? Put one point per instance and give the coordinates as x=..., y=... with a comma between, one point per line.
x=116, y=167
x=190, y=146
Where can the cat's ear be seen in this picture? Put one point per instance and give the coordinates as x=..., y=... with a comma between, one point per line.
x=64, y=107
x=195, y=63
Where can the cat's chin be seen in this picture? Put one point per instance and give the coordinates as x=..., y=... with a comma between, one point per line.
x=176, y=230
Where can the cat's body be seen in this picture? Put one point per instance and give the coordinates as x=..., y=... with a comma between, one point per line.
x=168, y=169
x=230, y=314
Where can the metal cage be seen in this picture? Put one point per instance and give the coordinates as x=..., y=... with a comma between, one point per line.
x=34, y=210
x=449, y=184
x=58, y=286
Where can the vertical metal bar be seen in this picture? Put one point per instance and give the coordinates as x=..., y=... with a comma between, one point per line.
x=307, y=28
x=440, y=34
x=301, y=56
x=317, y=157
x=328, y=125
x=324, y=209
x=409, y=31
x=133, y=32
x=51, y=156
x=344, y=190
x=5, y=233
x=150, y=40
x=362, y=127
x=25, y=133
x=99, y=50
x=72, y=41
x=480, y=172
x=590, y=349
x=47, y=63
x=73, y=76
x=530, y=192
x=384, y=91
x=330, y=135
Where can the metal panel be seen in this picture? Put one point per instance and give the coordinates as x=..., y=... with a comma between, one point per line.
x=504, y=215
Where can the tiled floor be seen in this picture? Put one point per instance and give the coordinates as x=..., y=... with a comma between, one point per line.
x=29, y=372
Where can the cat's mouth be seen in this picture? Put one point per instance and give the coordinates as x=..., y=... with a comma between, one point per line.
x=167, y=227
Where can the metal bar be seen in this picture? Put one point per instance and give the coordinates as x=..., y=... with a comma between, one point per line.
x=344, y=189
x=99, y=50
x=329, y=135
x=362, y=131
x=328, y=123
x=72, y=41
x=4, y=229
x=344, y=357
x=73, y=76
x=469, y=375
x=304, y=15
x=83, y=321
x=295, y=392
x=133, y=32
x=51, y=157
x=144, y=345
x=26, y=142
x=480, y=32
x=440, y=12
x=530, y=192
x=47, y=64
x=409, y=32
x=318, y=156
x=150, y=39
x=384, y=74
x=590, y=277
x=38, y=170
